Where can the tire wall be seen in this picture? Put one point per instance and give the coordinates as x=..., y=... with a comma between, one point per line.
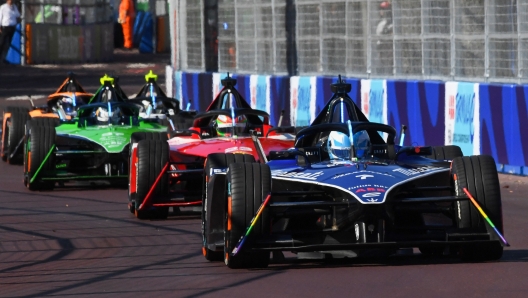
x=481, y=118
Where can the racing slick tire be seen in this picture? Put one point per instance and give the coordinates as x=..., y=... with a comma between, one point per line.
x=448, y=152
x=139, y=136
x=152, y=156
x=213, y=198
x=479, y=175
x=13, y=132
x=45, y=121
x=248, y=185
x=135, y=138
x=38, y=156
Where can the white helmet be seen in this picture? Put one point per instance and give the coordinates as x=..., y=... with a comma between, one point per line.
x=102, y=115
x=339, y=145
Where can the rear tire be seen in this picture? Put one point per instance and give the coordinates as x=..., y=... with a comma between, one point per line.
x=479, y=175
x=46, y=121
x=213, y=199
x=248, y=186
x=152, y=156
x=14, y=133
x=37, y=145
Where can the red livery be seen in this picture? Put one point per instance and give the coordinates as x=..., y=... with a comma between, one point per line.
x=170, y=172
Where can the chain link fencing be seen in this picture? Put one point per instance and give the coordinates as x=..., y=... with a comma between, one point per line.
x=470, y=40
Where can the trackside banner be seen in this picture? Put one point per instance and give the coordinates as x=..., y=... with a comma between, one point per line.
x=302, y=100
x=462, y=119
x=259, y=87
x=374, y=100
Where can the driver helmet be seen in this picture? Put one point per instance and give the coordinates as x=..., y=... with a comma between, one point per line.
x=338, y=146
x=102, y=115
x=67, y=106
x=151, y=94
x=362, y=143
x=224, y=125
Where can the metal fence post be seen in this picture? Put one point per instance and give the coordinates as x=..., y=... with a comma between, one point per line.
x=23, y=34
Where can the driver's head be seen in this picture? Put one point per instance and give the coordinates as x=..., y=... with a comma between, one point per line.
x=151, y=94
x=67, y=106
x=224, y=125
x=362, y=144
x=102, y=115
x=338, y=145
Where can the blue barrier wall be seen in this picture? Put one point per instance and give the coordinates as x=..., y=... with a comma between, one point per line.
x=487, y=119
x=419, y=106
x=13, y=54
x=504, y=125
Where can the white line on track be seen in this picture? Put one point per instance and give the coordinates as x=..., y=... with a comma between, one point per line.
x=100, y=65
x=140, y=65
x=45, y=66
x=25, y=97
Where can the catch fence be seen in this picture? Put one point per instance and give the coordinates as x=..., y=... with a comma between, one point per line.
x=462, y=40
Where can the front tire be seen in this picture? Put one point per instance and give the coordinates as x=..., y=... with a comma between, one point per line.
x=134, y=139
x=213, y=200
x=479, y=175
x=38, y=156
x=248, y=185
x=152, y=156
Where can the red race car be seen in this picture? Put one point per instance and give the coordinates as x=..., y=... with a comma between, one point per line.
x=170, y=173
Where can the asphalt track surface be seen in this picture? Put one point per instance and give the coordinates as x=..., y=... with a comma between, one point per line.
x=83, y=242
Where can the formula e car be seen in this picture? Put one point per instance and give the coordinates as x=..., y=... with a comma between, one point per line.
x=170, y=174
x=61, y=104
x=92, y=146
x=346, y=189
x=155, y=104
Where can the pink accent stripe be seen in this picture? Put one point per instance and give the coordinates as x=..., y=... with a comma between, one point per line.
x=149, y=194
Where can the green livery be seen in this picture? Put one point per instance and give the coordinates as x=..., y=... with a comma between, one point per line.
x=92, y=146
x=113, y=138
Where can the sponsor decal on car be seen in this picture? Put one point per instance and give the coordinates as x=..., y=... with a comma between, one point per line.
x=412, y=172
x=240, y=149
x=342, y=175
x=368, y=187
x=112, y=139
x=213, y=171
x=298, y=175
x=365, y=172
x=364, y=176
x=371, y=193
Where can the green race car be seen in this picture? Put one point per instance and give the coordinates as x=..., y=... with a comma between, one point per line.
x=93, y=146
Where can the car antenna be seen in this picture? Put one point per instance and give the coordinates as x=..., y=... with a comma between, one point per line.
x=402, y=133
x=280, y=118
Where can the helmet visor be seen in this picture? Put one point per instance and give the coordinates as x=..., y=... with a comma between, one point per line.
x=227, y=130
x=341, y=153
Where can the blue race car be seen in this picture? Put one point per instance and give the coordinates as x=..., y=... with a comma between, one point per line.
x=347, y=189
